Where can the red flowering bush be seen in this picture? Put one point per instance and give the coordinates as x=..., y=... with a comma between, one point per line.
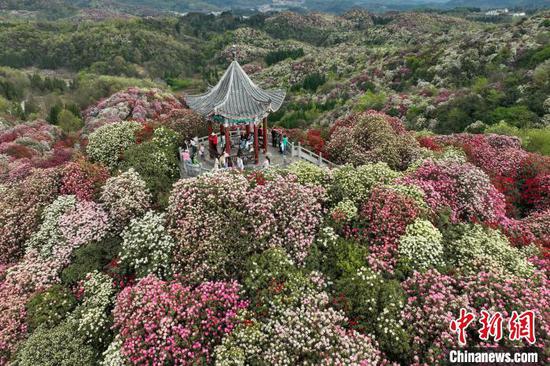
x=372, y=137
x=163, y=323
x=83, y=179
x=382, y=221
x=186, y=123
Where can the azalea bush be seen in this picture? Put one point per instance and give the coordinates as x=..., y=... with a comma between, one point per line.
x=278, y=212
x=372, y=137
x=149, y=315
x=83, y=179
x=124, y=197
x=146, y=245
x=107, y=143
x=421, y=247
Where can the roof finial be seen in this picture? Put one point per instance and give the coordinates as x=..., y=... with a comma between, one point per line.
x=235, y=52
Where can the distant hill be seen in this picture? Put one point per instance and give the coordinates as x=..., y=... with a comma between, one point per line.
x=486, y=4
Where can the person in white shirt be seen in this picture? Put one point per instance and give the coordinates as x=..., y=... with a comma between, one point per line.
x=266, y=163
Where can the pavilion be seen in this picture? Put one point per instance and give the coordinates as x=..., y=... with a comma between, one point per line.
x=236, y=101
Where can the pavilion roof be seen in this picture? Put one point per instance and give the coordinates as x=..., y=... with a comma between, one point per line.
x=236, y=98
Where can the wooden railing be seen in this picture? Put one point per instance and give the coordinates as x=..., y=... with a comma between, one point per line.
x=297, y=150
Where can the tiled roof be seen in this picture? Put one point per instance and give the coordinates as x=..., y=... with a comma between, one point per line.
x=236, y=97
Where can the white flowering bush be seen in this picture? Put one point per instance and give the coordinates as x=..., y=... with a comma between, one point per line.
x=356, y=183
x=125, y=196
x=308, y=173
x=422, y=246
x=49, y=236
x=472, y=247
x=112, y=356
x=344, y=211
x=92, y=316
x=108, y=142
x=146, y=246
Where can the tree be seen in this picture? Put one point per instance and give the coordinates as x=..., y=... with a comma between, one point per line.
x=68, y=122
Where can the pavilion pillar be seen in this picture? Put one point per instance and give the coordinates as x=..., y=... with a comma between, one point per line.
x=209, y=128
x=247, y=129
x=265, y=135
x=256, y=144
x=227, y=141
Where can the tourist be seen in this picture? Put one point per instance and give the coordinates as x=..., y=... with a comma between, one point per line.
x=222, y=143
x=222, y=162
x=267, y=162
x=240, y=162
x=213, y=140
x=273, y=137
x=226, y=160
x=201, y=151
x=216, y=165
x=282, y=146
x=185, y=155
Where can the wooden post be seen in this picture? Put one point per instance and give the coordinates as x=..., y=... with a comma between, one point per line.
x=209, y=128
x=227, y=141
x=265, y=135
x=256, y=144
x=247, y=129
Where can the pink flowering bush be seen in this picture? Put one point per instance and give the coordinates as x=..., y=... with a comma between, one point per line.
x=20, y=205
x=132, y=104
x=28, y=145
x=462, y=188
x=214, y=230
x=186, y=123
x=166, y=322
x=86, y=222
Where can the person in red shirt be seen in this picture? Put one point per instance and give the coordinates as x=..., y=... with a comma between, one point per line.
x=213, y=141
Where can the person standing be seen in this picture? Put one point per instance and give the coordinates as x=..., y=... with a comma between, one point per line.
x=213, y=140
x=240, y=163
x=266, y=163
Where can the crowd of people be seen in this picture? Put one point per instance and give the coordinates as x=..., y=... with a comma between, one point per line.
x=193, y=152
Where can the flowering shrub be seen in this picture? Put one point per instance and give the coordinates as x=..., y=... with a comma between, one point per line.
x=92, y=316
x=382, y=221
x=462, y=188
x=125, y=197
x=146, y=246
x=373, y=306
x=50, y=307
x=422, y=246
x=187, y=123
x=132, y=104
x=356, y=183
x=48, y=240
x=20, y=205
x=84, y=223
x=153, y=314
x=472, y=247
x=83, y=179
x=28, y=145
x=65, y=348
x=203, y=220
x=372, y=137
x=107, y=143
x=308, y=173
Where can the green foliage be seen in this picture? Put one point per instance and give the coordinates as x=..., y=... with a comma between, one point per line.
x=90, y=257
x=68, y=122
x=274, y=57
x=519, y=116
x=53, y=116
x=50, y=307
x=313, y=81
x=60, y=346
x=156, y=162
x=371, y=100
x=340, y=258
